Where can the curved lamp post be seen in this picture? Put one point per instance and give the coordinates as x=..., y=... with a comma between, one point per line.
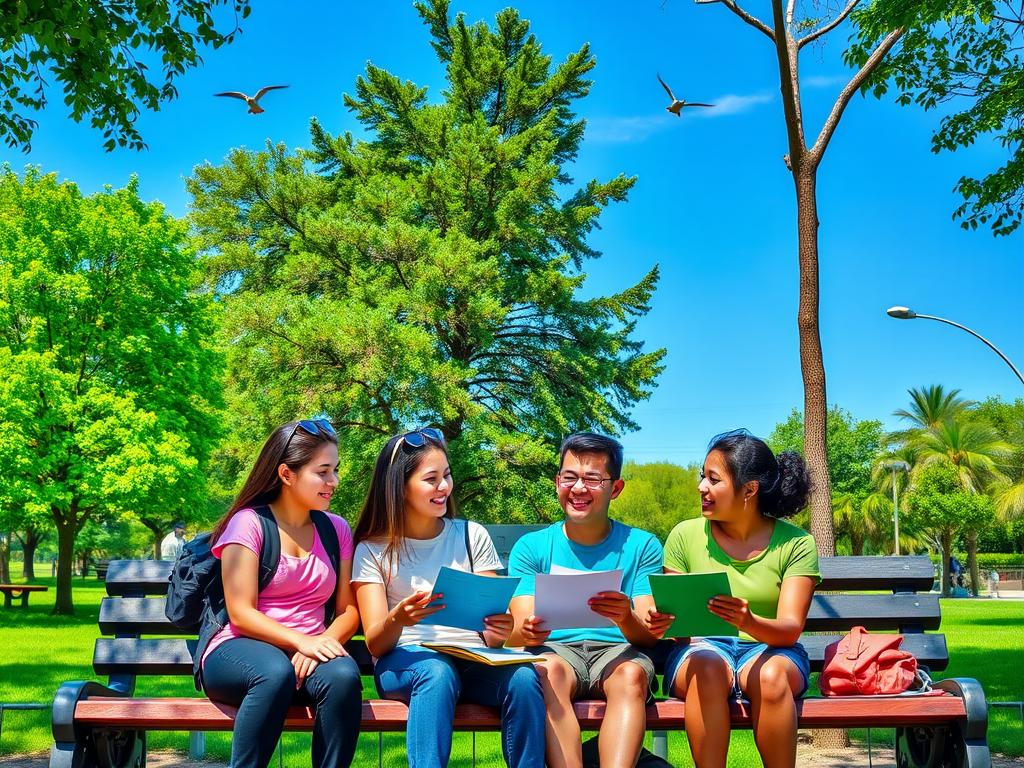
x=896, y=466
x=902, y=313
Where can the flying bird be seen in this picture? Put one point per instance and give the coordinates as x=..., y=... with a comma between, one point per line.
x=253, y=101
x=678, y=104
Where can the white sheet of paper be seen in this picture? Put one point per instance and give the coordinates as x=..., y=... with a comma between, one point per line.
x=560, y=598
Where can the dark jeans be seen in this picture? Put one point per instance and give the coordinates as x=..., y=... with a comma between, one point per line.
x=259, y=679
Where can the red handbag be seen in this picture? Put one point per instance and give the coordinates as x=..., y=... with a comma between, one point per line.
x=864, y=664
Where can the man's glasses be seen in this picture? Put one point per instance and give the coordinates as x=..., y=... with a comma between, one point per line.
x=313, y=427
x=568, y=480
x=417, y=438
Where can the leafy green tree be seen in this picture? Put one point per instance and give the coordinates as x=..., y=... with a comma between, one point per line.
x=92, y=50
x=1008, y=420
x=940, y=504
x=110, y=395
x=432, y=274
x=964, y=53
x=657, y=496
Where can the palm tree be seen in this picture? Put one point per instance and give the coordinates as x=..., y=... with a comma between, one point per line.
x=930, y=406
x=975, y=450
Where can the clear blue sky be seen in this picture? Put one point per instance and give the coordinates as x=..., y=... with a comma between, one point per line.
x=713, y=204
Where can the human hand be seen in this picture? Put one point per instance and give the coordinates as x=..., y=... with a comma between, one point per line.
x=304, y=667
x=497, y=629
x=321, y=647
x=612, y=605
x=532, y=633
x=416, y=607
x=658, y=623
x=734, y=610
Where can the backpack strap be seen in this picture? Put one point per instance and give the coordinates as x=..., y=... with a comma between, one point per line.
x=332, y=545
x=469, y=548
x=270, y=550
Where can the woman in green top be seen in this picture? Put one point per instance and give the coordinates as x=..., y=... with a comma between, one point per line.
x=773, y=568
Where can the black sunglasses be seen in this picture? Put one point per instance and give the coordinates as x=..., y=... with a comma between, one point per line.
x=313, y=427
x=417, y=438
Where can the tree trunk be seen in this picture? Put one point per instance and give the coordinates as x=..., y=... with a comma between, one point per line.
x=972, y=560
x=28, y=545
x=5, y=558
x=158, y=535
x=947, y=553
x=66, y=530
x=812, y=363
x=856, y=545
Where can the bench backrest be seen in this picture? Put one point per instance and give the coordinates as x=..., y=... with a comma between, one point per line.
x=882, y=594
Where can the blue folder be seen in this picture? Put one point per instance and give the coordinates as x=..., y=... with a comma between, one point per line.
x=469, y=597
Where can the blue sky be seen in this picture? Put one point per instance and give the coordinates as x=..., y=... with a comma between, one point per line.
x=713, y=204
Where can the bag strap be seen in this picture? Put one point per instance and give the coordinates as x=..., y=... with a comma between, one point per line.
x=469, y=548
x=332, y=545
x=270, y=549
x=856, y=641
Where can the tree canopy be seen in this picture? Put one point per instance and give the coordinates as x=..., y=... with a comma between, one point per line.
x=965, y=56
x=109, y=403
x=98, y=53
x=433, y=274
x=657, y=496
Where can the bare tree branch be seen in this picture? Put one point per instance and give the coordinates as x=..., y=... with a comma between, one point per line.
x=851, y=88
x=751, y=20
x=810, y=38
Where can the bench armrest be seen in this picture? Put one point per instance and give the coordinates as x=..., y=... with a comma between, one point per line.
x=970, y=691
x=65, y=701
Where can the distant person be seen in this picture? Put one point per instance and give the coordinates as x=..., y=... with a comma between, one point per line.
x=956, y=578
x=587, y=663
x=993, y=584
x=173, y=542
x=406, y=532
x=772, y=567
x=279, y=646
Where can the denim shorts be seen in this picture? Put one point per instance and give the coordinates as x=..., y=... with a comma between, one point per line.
x=737, y=654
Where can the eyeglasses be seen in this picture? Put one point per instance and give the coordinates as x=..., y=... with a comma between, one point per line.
x=568, y=480
x=417, y=438
x=312, y=427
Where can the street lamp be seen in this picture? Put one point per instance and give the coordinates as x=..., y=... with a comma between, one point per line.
x=896, y=466
x=902, y=313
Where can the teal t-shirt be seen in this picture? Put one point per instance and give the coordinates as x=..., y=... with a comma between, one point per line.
x=691, y=548
x=638, y=553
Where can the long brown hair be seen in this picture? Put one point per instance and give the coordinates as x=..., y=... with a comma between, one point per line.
x=382, y=518
x=263, y=485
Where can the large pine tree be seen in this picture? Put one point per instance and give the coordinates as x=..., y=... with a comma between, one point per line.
x=432, y=275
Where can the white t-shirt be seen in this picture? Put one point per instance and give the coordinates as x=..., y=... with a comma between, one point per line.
x=417, y=568
x=171, y=546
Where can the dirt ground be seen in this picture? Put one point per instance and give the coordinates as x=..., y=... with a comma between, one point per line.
x=807, y=757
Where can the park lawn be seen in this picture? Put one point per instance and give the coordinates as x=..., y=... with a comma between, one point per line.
x=42, y=651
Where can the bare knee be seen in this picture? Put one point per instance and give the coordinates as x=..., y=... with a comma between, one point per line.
x=557, y=677
x=627, y=679
x=774, y=680
x=708, y=672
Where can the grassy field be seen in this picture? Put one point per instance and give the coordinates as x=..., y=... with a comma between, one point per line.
x=42, y=651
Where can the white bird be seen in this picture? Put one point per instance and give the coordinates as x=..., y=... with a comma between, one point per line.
x=678, y=104
x=252, y=101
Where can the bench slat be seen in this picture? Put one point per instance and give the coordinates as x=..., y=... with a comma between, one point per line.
x=908, y=573
x=386, y=716
x=839, y=613
x=138, y=577
x=115, y=656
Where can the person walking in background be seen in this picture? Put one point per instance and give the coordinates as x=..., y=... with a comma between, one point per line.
x=281, y=644
x=173, y=542
x=406, y=532
x=591, y=662
x=773, y=568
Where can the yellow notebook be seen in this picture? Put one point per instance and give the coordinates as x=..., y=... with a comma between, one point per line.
x=494, y=657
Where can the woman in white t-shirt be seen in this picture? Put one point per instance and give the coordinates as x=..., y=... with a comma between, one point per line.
x=405, y=534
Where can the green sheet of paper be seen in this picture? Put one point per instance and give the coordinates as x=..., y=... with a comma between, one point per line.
x=686, y=597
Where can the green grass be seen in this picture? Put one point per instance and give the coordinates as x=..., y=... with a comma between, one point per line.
x=42, y=651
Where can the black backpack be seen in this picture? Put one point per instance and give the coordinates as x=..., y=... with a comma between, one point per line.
x=195, y=596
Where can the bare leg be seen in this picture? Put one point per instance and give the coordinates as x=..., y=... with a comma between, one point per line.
x=705, y=681
x=625, y=719
x=564, y=748
x=771, y=683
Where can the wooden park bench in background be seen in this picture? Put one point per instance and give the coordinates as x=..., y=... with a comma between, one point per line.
x=105, y=725
x=15, y=591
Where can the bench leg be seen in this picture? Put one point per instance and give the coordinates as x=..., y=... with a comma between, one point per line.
x=120, y=749
x=958, y=745
x=196, y=745
x=660, y=739
x=8, y=601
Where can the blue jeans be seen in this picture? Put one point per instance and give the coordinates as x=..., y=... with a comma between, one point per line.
x=259, y=679
x=431, y=682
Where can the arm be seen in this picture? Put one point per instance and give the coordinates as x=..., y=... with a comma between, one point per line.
x=658, y=623
x=498, y=626
x=617, y=607
x=383, y=628
x=239, y=570
x=346, y=614
x=526, y=627
x=794, y=602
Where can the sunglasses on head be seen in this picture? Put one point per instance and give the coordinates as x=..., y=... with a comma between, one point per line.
x=417, y=438
x=313, y=427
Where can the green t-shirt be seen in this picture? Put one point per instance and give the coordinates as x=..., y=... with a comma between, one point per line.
x=791, y=552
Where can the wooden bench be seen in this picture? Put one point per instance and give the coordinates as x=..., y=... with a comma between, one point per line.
x=97, y=724
x=14, y=591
